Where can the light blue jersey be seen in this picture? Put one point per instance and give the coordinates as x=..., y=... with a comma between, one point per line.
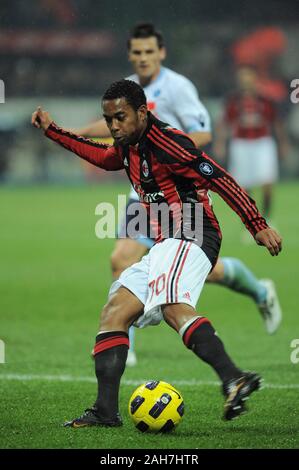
x=174, y=99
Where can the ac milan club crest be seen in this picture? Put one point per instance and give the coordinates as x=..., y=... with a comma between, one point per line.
x=145, y=169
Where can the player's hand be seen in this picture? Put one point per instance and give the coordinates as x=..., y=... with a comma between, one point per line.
x=270, y=239
x=41, y=119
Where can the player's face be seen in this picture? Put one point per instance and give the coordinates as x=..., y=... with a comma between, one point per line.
x=247, y=79
x=146, y=57
x=125, y=124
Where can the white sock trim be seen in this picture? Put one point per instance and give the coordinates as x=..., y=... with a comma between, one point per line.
x=106, y=331
x=187, y=324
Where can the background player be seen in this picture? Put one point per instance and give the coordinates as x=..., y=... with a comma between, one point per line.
x=249, y=121
x=174, y=99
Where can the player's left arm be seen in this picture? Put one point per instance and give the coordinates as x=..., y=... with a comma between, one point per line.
x=194, y=164
x=200, y=138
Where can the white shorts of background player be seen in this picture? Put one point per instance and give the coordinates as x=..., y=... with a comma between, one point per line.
x=253, y=162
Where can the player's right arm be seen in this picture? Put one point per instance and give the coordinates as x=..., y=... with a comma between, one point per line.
x=94, y=129
x=101, y=155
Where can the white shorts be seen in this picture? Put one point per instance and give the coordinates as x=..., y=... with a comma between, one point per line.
x=253, y=162
x=174, y=271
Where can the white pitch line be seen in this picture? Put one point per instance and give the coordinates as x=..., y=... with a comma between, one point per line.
x=135, y=382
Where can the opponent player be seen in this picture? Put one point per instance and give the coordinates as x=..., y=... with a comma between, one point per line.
x=174, y=99
x=155, y=288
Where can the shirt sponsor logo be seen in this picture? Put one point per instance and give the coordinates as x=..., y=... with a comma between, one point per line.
x=206, y=168
x=148, y=197
x=152, y=197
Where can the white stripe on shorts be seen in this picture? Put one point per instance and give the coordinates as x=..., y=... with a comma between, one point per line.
x=177, y=266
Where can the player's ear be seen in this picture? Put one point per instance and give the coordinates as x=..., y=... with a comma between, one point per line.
x=163, y=53
x=129, y=50
x=142, y=112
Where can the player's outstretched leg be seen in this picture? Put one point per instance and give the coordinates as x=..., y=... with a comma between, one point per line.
x=270, y=307
x=237, y=391
x=234, y=274
x=199, y=335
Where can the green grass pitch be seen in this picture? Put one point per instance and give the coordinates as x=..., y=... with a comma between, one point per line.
x=54, y=279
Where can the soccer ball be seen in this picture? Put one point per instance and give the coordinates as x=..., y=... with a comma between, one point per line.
x=156, y=407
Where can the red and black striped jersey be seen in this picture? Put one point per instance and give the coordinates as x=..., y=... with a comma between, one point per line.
x=166, y=167
x=250, y=116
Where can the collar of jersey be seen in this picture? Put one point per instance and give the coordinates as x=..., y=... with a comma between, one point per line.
x=161, y=73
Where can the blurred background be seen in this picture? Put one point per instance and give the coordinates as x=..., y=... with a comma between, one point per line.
x=63, y=54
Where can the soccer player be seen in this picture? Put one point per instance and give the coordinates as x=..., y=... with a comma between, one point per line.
x=164, y=165
x=249, y=119
x=174, y=99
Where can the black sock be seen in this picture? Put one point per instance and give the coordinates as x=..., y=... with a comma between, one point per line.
x=201, y=339
x=110, y=354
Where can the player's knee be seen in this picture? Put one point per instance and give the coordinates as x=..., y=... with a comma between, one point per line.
x=116, y=314
x=106, y=316
x=176, y=315
x=169, y=316
x=213, y=276
x=119, y=262
x=216, y=275
x=111, y=318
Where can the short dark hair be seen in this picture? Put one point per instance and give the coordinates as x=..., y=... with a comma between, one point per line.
x=131, y=91
x=146, y=30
